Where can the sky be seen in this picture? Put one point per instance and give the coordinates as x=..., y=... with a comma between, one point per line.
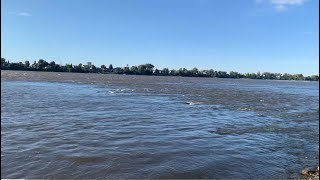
x=230, y=35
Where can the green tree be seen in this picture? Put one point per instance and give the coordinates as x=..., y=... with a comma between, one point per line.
x=103, y=68
x=111, y=67
x=93, y=68
x=27, y=64
x=298, y=77
x=52, y=63
x=118, y=70
x=266, y=75
x=126, y=70
x=134, y=69
x=258, y=75
x=78, y=68
x=211, y=73
x=172, y=72
x=186, y=72
x=194, y=71
x=165, y=71
x=233, y=74
x=315, y=77
x=142, y=69
x=41, y=64
x=149, y=69
x=34, y=65
x=156, y=72
x=69, y=67
x=3, y=62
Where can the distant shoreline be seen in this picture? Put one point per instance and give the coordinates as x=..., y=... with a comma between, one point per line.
x=149, y=70
x=5, y=77
x=108, y=73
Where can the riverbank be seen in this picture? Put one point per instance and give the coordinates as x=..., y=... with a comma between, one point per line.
x=311, y=174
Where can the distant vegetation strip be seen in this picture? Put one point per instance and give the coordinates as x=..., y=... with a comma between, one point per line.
x=146, y=69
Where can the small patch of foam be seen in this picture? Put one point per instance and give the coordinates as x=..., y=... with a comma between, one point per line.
x=193, y=103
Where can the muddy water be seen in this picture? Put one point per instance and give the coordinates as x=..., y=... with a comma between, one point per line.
x=70, y=125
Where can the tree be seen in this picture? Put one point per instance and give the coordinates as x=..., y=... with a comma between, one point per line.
x=3, y=62
x=118, y=70
x=69, y=67
x=315, y=77
x=134, y=69
x=34, y=65
x=41, y=64
x=126, y=70
x=180, y=72
x=233, y=74
x=186, y=72
x=149, y=69
x=103, y=68
x=52, y=63
x=277, y=76
x=253, y=76
x=221, y=74
x=78, y=68
x=211, y=73
x=149, y=66
x=172, y=72
x=258, y=75
x=142, y=69
x=93, y=68
x=266, y=75
x=15, y=66
x=156, y=72
x=165, y=71
x=298, y=77
x=27, y=64
x=194, y=71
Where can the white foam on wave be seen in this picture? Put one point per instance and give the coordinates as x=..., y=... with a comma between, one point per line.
x=121, y=91
x=193, y=103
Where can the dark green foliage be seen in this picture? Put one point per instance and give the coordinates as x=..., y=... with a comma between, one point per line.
x=134, y=69
x=126, y=70
x=156, y=72
x=165, y=72
x=147, y=69
x=111, y=67
x=27, y=64
x=118, y=70
x=3, y=63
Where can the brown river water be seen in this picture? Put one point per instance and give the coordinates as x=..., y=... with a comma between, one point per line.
x=98, y=126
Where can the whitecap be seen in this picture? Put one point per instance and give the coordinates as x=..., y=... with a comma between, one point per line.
x=193, y=103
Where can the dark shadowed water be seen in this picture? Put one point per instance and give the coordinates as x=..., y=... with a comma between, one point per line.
x=69, y=125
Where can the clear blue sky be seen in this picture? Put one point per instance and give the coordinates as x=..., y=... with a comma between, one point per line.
x=240, y=35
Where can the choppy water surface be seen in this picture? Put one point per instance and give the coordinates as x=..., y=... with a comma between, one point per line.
x=63, y=125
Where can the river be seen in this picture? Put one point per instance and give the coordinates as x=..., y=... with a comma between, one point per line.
x=87, y=126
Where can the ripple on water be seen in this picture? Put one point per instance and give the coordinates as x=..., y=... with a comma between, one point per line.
x=145, y=130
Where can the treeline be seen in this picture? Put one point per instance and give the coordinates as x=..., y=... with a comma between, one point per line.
x=145, y=69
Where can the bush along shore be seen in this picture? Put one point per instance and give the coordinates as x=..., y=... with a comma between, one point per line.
x=145, y=69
